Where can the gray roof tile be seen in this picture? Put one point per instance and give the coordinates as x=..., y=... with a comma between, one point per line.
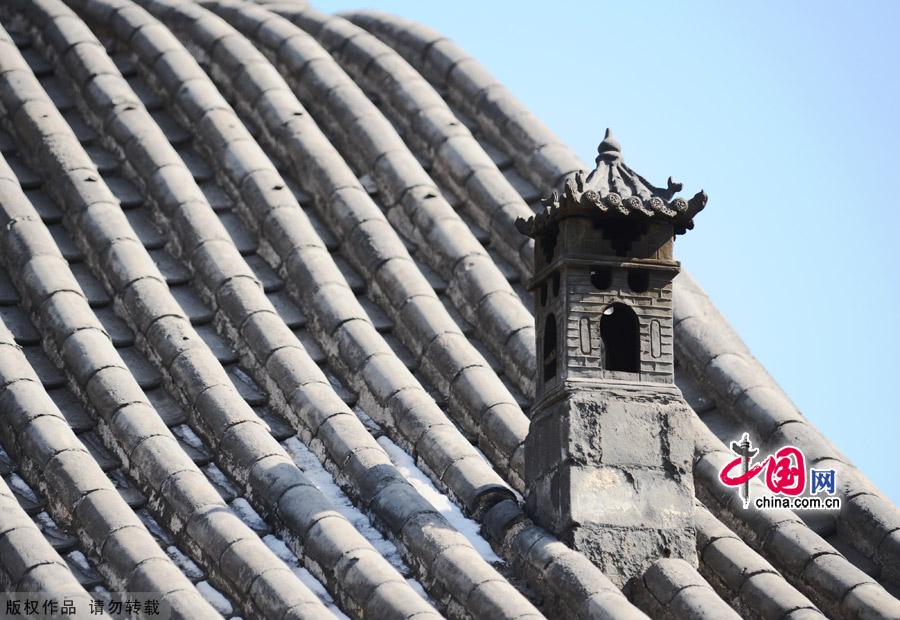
x=243, y=239
x=106, y=162
x=118, y=330
x=216, y=196
x=19, y=324
x=58, y=93
x=192, y=304
x=147, y=230
x=289, y=312
x=246, y=387
x=74, y=412
x=528, y=191
x=198, y=167
x=218, y=345
x=149, y=98
x=45, y=206
x=27, y=178
x=167, y=408
x=170, y=127
x=132, y=496
x=144, y=372
x=91, y=286
x=279, y=428
x=50, y=375
x=7, y=145
x=171, y=268
x=380, y=320
x=124, y=62
x=66, y=244
x=124, y=190
x=267, y=276
x=106, y=460
x=310, y=344
x=83, y=132
x=191, y=445
x=8, y=294
x=354, y=279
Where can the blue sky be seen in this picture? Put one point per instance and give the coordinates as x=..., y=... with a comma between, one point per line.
x=787, y=115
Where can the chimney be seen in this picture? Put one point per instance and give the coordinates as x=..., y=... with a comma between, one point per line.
x=608, y=459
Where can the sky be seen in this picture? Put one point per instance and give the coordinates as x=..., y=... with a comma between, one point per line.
x=787, y=114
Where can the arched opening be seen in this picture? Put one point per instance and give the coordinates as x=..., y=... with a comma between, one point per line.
x=550, y=355
x=621, y=335
x=639, y=280
x=601, y=277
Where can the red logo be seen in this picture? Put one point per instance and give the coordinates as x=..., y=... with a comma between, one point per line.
x=785, y=470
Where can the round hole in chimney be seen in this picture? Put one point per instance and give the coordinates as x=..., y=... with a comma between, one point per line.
x=638, y=280
x=601, y=277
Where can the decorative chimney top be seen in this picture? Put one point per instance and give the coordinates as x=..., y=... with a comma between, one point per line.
x=613, y=190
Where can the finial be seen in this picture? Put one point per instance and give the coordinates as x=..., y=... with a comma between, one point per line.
x=609, y=150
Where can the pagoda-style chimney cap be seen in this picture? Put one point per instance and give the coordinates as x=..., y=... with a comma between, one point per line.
x=613, y=190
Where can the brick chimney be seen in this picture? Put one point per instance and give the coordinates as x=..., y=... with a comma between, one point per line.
x=608, y=457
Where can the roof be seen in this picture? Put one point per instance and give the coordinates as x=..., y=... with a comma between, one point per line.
x=266, y=349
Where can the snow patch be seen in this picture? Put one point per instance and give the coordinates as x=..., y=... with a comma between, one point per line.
x=284, y=553
x=417, y=478
x=79, y=559
x=45, y=521
x=189, y=436
x=319, y=590
x=249, y=516
x=19, y=485
x=279, y=548
x=185, y=564
x=218, y=477
x=214, y=598
x=100, y=592
x=154, y=528
x=417, y=587
x=323, y=481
